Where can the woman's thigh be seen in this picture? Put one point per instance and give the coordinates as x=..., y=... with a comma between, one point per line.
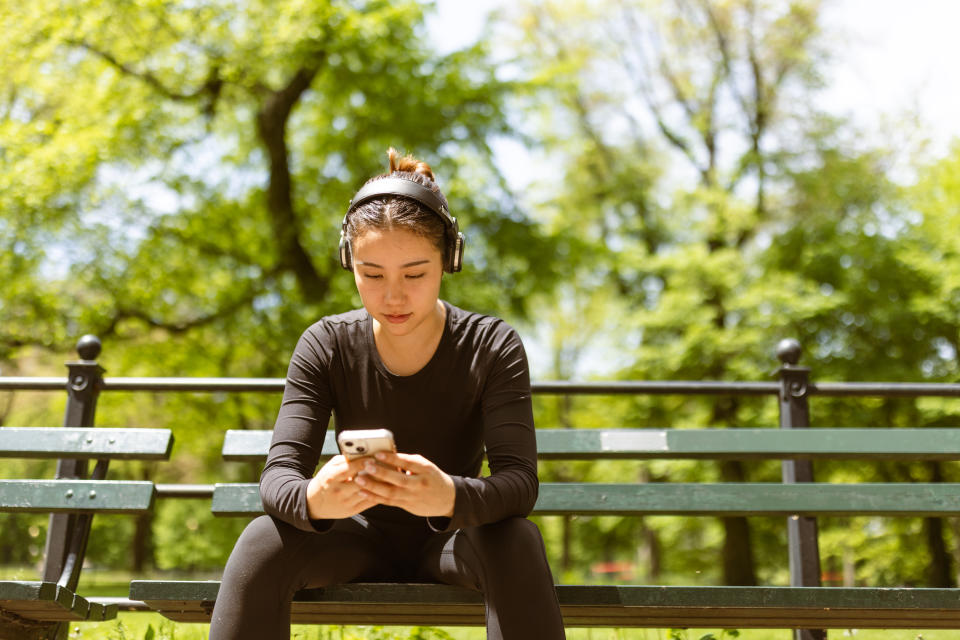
x=272, y=560
x=273, y=552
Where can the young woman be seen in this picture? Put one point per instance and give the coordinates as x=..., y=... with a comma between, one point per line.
x=449, y=384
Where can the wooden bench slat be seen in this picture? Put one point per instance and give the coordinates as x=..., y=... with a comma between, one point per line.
x=595, y=605
x=746, y=499
x=44, y=601
x=71, y=496
x=730, y=499
x=245, y=445
x=92, y=443
x=638, y=444
x=100, y=612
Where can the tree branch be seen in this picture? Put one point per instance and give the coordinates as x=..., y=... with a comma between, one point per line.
x=181, y=326
x=640, y=72
x=723, y=46
x=205, y=246
x=210, y=90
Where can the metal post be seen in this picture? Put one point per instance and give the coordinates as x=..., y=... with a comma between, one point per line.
x=83, y=387
x=801, y=531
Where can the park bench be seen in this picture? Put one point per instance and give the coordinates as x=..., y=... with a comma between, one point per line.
x=804, y=605
x=810, y=607
x=31, y=609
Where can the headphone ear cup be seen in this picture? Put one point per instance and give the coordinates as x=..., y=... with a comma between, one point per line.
x=346, y=260
x=456, y=255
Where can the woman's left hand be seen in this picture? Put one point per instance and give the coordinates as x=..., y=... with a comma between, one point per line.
x=410, y=482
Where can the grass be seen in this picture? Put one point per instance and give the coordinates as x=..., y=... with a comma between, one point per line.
x=149, y=626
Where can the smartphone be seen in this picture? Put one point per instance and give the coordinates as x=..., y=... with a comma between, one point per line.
x=358, y=443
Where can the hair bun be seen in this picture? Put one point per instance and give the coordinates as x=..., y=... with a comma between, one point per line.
x=408, y=164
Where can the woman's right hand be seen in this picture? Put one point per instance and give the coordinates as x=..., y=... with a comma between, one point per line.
x=332, y=494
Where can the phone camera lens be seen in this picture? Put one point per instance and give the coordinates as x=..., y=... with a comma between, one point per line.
x=348, y=444
x=361, y=449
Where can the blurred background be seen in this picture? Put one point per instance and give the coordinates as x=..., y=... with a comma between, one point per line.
x=650, y=189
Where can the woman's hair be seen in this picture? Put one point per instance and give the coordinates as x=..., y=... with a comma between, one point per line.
x=398, y=212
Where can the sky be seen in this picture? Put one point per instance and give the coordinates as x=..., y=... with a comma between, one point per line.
x=893, y=57
x=897, y=57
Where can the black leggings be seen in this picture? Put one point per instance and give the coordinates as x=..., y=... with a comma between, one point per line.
x=272, y=560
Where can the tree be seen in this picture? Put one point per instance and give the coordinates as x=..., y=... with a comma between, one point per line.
x=705, y=85
x=217, y=145
x=173, y=176
x=703, y=187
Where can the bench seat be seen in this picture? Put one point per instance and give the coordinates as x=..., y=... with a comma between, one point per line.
x=48, y=601
x=593, y=605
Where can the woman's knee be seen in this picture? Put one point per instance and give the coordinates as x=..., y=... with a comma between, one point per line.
x=262, y=536
x=510, y=538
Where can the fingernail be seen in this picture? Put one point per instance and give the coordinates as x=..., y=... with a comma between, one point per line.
x=381, y=456
x=360, y=480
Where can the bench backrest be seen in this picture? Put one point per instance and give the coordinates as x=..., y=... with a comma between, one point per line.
x=81, y=495
x=713, y=444
x=74, y=496
x=630, y=498
x=85, y=444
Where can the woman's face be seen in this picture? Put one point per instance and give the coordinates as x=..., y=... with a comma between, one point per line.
x=398, y=275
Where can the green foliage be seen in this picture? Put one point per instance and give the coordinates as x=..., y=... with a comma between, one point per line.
x=141, y=149
x=189, y=539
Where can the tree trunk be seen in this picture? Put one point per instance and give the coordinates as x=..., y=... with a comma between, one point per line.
x=566, y=558
x=272, y=130
x=143, y=533
x=651, y=553
x=940, y=572
x=142, y=542
x=738, y=564
x=955, y=529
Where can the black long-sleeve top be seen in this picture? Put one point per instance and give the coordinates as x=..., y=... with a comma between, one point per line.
x=473, y=394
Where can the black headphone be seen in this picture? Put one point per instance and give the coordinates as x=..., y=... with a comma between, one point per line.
x=408, y=189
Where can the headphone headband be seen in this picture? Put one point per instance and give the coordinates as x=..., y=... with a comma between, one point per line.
x=401, y=187
x=407, y=188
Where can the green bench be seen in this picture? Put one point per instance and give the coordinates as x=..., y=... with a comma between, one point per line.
x=25, y=607
x=798, y=607
x=38, y=609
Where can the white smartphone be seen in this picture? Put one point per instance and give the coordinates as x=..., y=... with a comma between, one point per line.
x=358, y=443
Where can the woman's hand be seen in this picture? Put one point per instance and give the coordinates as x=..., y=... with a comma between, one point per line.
x=410, y=482
x=333, y=493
